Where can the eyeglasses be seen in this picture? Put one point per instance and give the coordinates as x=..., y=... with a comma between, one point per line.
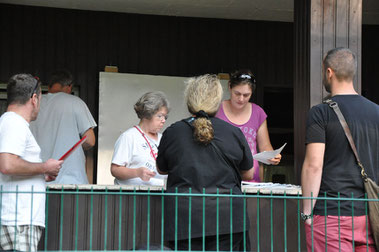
x=161, y=117
x=35, y=87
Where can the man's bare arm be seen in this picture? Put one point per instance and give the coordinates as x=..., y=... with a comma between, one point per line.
x=91, y=139
x=311, y=174
x=11, y=164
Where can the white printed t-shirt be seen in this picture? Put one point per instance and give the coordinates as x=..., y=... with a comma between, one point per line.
x=131, y=150
x=16, y=138
x=62, y=120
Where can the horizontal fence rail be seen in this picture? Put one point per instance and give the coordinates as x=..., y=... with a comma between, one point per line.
x=109, y=220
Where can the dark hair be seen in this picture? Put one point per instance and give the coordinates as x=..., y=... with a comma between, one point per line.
x=242, y=76
x=21, y=88
x=62, y=76
x=342, y=61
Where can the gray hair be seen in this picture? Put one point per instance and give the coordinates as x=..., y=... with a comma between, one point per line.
x=21, y=88
x=150, y=103
x=343, y=62
x=62, y=76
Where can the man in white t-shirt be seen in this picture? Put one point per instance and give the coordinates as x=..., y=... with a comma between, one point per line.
x=62, y=121
x=22, y=175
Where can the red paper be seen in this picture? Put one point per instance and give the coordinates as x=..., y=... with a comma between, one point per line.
x=73, y=148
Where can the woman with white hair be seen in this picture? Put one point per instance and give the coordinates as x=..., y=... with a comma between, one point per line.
x=204, y=153
x=135, y=152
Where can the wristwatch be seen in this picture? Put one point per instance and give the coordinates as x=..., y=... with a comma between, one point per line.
x=305, y=216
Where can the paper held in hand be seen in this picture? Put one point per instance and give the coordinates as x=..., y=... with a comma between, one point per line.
x=265, y=156
x=73, y=148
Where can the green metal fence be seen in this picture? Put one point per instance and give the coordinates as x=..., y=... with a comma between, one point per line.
x=111, y=219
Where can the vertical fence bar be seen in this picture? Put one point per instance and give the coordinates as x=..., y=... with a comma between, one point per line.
x=162, y=221
x=313, y=248
x=285, y=221
x=298, y=223
x=76, y=218
x=120, y=221
x=134, y=219
x=325, y=221
x=15, y=224
x=203, y=220
x=46, y=218
x=244, y=221
x=339, y=221
x=91, y=221
x=231, y=220
x=176, y=218
x=189, y=218
x=271, y=224
x=61, y=221
x=1, y=204
x=105, y=218
x=258, y=245
x=31, y=219
x=217, y=220
x=148, y=219
x=352, y=220
x=366, y=213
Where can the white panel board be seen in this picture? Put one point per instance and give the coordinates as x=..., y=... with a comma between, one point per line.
x=117, y=95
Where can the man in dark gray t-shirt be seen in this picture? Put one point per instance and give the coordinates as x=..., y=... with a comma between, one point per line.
x=330, y=168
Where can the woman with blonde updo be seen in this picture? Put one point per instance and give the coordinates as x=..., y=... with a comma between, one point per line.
x=204, y=153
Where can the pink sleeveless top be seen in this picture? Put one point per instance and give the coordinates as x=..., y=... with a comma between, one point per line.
x=250, y=130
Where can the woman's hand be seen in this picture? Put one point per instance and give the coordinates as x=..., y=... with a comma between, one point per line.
x=276, y=159
x=145, y=174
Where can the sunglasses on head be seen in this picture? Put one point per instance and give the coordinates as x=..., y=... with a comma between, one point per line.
x=244, y=77
x=35, y=87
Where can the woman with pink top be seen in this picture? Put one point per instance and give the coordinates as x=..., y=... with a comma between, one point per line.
x=247, y=116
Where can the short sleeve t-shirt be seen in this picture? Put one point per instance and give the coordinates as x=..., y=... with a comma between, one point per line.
x=62, y=120
x=16, y=138
x=195, y=166
x=131, y=150
x=250, y=131
x=341, y=173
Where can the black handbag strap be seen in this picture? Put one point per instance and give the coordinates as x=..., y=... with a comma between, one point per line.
x=189, y=121
x=346, y=129
x=228, y=161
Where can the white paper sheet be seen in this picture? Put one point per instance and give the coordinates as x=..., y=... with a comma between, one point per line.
x=265, y=156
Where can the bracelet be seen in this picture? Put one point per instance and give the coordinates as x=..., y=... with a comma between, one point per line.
x=305, y=217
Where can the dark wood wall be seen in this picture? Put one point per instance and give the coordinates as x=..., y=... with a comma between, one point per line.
x=370, y=62
x=39, y=40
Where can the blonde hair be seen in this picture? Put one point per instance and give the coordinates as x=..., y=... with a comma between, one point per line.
x=203, y=93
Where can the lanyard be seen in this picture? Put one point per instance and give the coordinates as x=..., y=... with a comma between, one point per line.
x=151, y=149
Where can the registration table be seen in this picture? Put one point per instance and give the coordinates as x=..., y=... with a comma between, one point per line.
x=98, y=217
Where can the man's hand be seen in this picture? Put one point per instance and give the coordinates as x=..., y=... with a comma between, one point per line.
x=145, y=174
x=49, y=178
x=309, y=221
x=52, y=167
